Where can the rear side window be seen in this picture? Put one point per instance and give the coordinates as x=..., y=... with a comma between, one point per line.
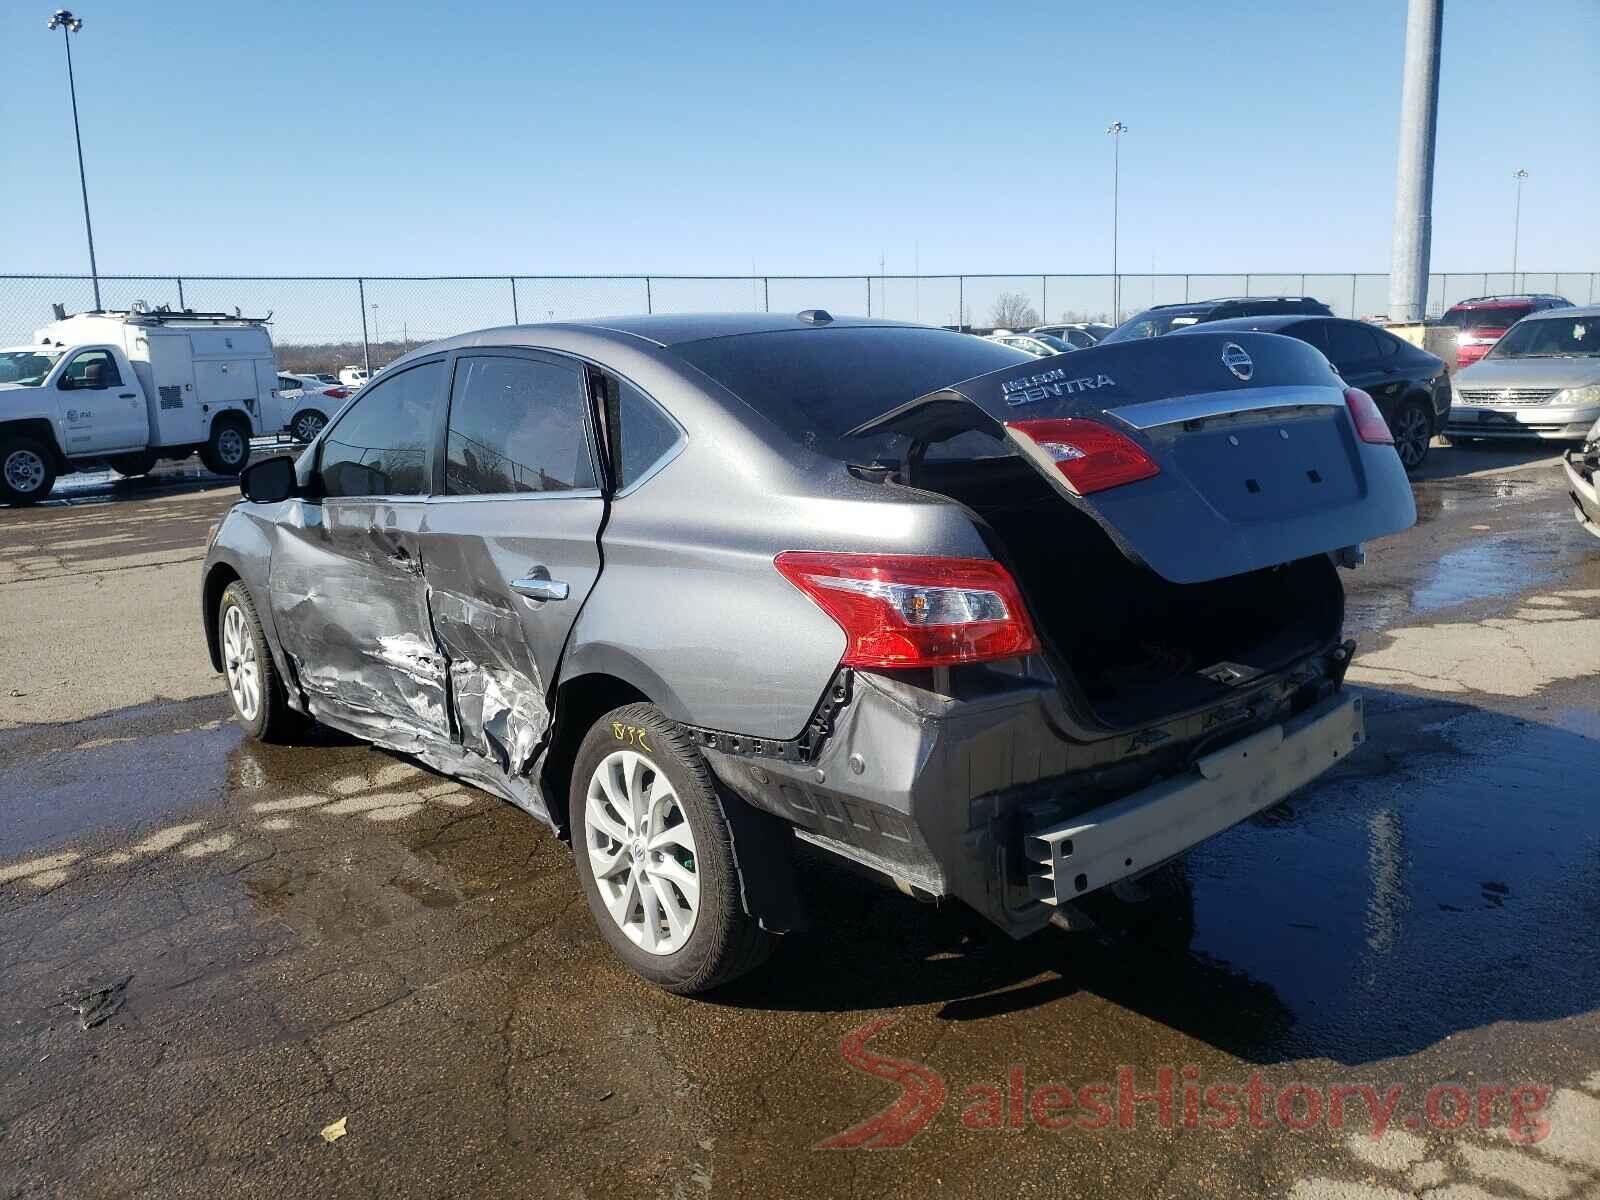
x=641, y=434
x=380, y=446
x=517, y=425
x=817, y=384
x=1348, y=343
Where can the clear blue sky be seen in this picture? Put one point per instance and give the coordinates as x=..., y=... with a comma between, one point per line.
x=809, y=136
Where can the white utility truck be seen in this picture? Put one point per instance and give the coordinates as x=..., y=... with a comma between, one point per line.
x=126, y=389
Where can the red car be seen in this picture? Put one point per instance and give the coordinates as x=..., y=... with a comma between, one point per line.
x=1483, y=319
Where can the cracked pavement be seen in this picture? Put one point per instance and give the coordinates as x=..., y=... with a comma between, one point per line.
x=327, y=931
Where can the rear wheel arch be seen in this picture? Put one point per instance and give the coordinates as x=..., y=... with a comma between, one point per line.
x=580, y=701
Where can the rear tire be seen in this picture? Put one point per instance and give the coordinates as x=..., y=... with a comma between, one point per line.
x=27, y=470
x=255, y=689
x=133, y=464
x=655, y=855
x=228, y=449
x=1413, y=430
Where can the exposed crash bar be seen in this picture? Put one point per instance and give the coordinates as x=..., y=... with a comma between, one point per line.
x=1141, y=831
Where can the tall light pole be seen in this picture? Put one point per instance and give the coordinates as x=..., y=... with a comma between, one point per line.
x=1516, y=225
x=63, y=20
x=1413, y=193
x=1116, y=129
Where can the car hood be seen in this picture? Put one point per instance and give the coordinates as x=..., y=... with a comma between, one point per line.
x=1494, y=372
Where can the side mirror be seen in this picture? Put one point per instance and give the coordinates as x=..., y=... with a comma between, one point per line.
x=269, y=480
x=67, y=383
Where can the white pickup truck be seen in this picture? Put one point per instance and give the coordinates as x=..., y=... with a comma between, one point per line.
x=126, y=389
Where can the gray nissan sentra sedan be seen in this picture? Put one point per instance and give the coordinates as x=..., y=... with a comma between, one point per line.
x=1540, y=380
x=696, y=589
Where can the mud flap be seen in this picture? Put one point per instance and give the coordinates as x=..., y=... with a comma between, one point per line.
x=763, y=854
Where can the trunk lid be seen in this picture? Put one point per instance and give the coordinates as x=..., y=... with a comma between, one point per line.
x=1259, y=459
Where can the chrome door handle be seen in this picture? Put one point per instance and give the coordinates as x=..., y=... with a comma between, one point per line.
x=541, y=589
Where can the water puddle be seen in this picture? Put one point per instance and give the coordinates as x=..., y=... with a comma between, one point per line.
x=1493, y=567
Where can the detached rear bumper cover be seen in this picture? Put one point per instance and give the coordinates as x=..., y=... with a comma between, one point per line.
x=1585, y=496
x=1144, y=829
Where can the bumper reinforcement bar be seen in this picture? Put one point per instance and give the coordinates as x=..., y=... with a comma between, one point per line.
x=1140, y=831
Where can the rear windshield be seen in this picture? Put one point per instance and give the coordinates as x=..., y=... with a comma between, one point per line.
x=816, y=384
x=1501, y=316
x=1551, y=337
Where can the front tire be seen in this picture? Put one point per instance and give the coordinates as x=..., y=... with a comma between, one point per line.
x=133, y=464
x=27, y=470
x=1413, y=430
x=228, y=449
x=655, y=855
x=254, y=687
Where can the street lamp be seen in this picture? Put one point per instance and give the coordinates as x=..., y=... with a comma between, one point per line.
x=1516, y=224
x=1116, y=129
x=63, y=20
x=375, y=336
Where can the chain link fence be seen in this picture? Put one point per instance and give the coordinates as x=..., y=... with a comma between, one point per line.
x=323, y=322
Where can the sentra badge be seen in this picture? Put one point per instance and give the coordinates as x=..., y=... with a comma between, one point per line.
x=1030, y=389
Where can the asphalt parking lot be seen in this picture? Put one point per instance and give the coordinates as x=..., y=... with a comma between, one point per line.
x=266, y=942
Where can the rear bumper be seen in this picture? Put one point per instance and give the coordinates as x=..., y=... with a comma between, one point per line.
x=1585, y=497
x=936, y=792
x=1137, y=832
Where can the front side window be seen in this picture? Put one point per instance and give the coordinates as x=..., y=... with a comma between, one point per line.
x=517, y=425
x=380, y=446
x=93, y=369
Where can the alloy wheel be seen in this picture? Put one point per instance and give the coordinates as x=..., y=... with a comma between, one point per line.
x=307, y=426
x=24, y=472
x=1411, y=436
x=642, y=852
x=239, y=660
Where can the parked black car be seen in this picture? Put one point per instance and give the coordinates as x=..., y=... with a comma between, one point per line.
x=1411, y=386
x=1167, y=318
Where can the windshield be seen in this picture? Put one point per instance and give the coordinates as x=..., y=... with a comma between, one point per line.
x=1500, y=316
x=27, y=367
x=1055, y=343
x=1551, y=337
x=816, y=385
x=1150, y=324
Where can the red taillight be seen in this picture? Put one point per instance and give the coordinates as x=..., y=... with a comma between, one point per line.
x=337, y=393
x=903, y=610
x=1370, y=425
x=1090, y=456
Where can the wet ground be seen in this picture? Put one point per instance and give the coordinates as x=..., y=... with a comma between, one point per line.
x=263, y=943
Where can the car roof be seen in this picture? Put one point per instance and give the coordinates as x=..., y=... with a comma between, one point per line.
x=1182, y=306
x=1266, y=323
x=1508, y=298
x=673, y=329
x=1562, y=314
